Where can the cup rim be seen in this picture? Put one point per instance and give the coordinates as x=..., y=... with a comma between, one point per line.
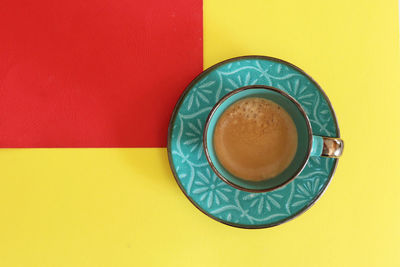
x=241, y=89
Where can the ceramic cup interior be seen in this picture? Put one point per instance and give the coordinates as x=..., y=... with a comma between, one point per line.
x=304, y=135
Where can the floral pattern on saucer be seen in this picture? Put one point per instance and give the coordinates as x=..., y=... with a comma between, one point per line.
x=192, y=171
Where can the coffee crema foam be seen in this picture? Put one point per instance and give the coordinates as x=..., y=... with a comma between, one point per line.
x=255, y=139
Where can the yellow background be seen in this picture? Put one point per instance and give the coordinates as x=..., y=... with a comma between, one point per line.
x=122, y=207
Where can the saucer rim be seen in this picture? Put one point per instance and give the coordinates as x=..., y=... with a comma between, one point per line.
x=175, y=112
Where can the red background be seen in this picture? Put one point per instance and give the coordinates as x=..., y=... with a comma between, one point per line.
x=94, y=73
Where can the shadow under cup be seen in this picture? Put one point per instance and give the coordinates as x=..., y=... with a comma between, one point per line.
x=304, y=136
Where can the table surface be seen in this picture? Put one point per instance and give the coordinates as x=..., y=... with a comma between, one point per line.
x=122, y=207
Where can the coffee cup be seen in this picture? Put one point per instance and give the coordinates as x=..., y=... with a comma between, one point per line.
x=277, y=130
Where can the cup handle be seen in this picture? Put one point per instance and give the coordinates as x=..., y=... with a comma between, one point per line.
x=326, y=147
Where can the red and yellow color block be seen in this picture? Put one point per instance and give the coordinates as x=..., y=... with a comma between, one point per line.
x=121, y=206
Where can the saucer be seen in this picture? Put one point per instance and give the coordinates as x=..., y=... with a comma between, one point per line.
x=195, y=177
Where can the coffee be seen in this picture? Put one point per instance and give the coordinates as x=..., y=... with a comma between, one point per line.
x=255, y=139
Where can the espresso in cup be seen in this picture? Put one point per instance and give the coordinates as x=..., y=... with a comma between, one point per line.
x=258, y=138
x=255, y=139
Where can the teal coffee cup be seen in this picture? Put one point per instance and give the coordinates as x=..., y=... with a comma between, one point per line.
x=308, y=145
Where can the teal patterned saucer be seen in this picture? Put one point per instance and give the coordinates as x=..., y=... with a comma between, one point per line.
x=195, y=177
